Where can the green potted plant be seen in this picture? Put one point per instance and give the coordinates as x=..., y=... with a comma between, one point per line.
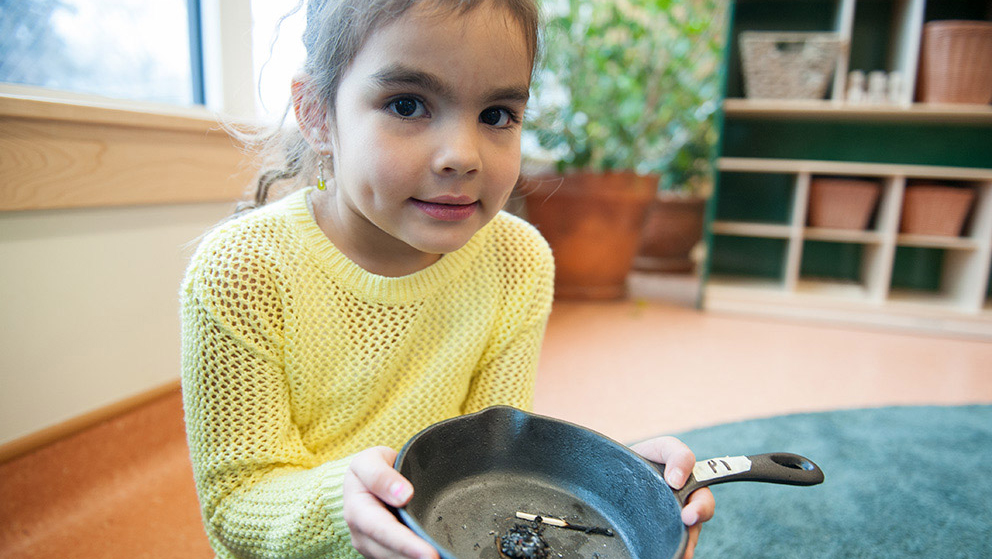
x=674, y=226
x=616, y=106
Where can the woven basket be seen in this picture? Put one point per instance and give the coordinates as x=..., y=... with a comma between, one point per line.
x=956, y=62
x=933, y=209
x=788, y=65
x=842, y=203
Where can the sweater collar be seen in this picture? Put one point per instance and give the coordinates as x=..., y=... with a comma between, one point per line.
x=372, y=286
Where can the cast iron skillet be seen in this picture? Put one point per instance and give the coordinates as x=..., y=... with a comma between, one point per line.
x=471, y=474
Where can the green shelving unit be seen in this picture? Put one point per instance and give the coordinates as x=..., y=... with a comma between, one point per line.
x=763, y=256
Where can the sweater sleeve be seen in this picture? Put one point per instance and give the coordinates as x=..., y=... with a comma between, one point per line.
x=262, y=492
x=507, y=372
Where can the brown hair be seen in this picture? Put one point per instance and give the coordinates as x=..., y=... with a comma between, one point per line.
x=336, y=30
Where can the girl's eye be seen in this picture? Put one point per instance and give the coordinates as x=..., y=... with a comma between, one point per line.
x=497, y=117
x=408, y=107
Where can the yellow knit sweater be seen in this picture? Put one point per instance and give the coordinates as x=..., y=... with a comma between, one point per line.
x=295, y=358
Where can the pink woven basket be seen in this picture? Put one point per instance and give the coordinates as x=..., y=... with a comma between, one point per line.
x=842, y=203
x=932, y=209
x=956, y=62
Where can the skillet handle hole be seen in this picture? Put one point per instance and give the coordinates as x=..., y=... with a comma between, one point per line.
x=792, y=461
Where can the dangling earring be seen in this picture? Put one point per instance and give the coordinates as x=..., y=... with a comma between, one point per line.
x=321, y=183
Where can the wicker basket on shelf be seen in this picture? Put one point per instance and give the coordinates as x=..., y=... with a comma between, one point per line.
x=935, y=209
x=842, y=202
x=956, y=62
x=788, y=65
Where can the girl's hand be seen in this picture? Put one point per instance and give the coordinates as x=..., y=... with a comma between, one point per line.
x=678, y=461
x=369, y=484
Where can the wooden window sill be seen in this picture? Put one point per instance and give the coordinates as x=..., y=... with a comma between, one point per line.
x=56, y=154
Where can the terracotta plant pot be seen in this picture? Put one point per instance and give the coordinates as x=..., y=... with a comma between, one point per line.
x=674, y=227
x=593, y=222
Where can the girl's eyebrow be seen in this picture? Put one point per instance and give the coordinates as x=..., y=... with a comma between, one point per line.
x=397, y=75
x=519, y=94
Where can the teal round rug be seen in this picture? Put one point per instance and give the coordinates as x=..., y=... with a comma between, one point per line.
x=899, y=482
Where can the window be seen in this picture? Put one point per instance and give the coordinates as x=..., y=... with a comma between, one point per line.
x=127, y=49
x=277, y=53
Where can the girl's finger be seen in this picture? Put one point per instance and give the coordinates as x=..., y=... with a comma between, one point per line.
x=671, y=452
x=375, y=530
x=372, y=549
x=374, y=469
x=700, y=508
x=690, y=548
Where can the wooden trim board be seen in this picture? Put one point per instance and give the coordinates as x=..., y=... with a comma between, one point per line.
x=57, y=155
x=66, y=429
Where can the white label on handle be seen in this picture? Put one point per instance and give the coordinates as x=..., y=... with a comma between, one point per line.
x=720, y=467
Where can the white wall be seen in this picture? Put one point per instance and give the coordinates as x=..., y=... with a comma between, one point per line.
x=89, y=309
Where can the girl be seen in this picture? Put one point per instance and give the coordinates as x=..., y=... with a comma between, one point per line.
x=323, y=330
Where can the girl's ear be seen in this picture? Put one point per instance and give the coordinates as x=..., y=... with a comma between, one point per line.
x=311, y=113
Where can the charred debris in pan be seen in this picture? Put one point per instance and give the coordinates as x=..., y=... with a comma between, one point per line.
x=525, y=541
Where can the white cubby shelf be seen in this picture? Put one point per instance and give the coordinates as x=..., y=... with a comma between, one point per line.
x=764, y=259
x=960, y=304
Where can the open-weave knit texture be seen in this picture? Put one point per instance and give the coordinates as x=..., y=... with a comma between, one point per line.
x=295, y=358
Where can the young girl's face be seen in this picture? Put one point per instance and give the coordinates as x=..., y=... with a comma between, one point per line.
x=426, y=135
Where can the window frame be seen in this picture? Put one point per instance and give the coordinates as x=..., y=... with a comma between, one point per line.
x=68, y=150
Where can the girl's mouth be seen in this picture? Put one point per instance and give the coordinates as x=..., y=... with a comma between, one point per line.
x=447, y=210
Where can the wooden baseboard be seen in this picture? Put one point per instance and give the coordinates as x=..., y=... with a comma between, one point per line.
x=34, y=441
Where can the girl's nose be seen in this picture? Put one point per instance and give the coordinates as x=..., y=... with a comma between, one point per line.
x=458, y=150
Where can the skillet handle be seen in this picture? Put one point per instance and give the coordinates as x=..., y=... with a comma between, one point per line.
x=776, y=467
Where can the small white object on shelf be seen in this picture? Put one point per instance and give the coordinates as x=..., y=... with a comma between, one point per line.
x=895, y=87
x=877, y=86
x=881, y=88
x=856, y=87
